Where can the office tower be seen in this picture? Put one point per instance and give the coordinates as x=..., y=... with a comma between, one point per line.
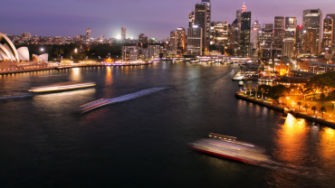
x=328, y=32
x=208, y=21
x=200, y=19
x=290, y=36
x=299, y=40
x=220, y=33
x=88, y=34
x=143, y=41
x=312, y=21
x=255, y=29
x=191, y=20
x=279, y=32
x=123, y=33
x=211, y=34
x=234, y=37
x=194, y=40
x=245, y=34
x=268, y=26
x=333, y=17
x=265, y=42
x=310, y=40
x=238, y=24
x=178, y=40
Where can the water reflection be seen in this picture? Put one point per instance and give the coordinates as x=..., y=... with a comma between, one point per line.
x=75, y=74
x=109, y=78
x=326, y=148
x=292, y=141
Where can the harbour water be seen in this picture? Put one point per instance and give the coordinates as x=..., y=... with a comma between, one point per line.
x=143, y=142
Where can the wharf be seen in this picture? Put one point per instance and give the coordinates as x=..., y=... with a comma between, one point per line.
x=282, y=109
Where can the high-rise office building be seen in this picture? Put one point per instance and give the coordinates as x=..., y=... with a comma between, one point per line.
x=178, y=40
x=200, y=19
x=312, y=20
x=299, y=40
x=245, y=34
x=238, y=24
x=255, y=29
x=211, y=34
x=332, y=16
x=191, y=20
x=194, y=40
x=310, y=40
x=220, y=35
x=279, y=32
x=88, y=34
x=328, y=31
x=290, y=37
x=208, y=20
x=123, y=33
x=265, y=42
x=234, y=36
x=268, y=26
x=143, y=41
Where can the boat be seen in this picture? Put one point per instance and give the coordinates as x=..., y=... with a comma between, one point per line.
x=61, y=87
x=227, y=147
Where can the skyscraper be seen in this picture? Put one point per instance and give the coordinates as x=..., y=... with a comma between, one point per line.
x=290, y=36
x=255, y=29
x=208, y=20
x=88, y=34
x=279, y=32
x=312, y=21
x=328, y=30
x=194, y=40
x=245, y=34
x=123, y=33
x=220, y=33
x=200, y=19
x=310, y=40
x=143, y=41
x=178, y=40
x=191, y=20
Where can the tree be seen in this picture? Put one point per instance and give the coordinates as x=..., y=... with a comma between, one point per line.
x=263, y=91
x=314, y=109
x=299, y=104
x=306, y=106
x=322, y=110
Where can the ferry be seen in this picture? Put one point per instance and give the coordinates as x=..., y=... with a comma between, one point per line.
x=61, y=87
x=227, y=147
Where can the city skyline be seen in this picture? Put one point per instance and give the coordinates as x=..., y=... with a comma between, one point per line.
x=104, y=19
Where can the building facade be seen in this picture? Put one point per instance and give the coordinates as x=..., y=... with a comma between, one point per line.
x=123, y=33
x=279, y=32
x=312, y=20
x=194, y=40
x=245, y=34
x=200, y=19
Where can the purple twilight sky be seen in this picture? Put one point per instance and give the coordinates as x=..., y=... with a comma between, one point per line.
x=155, y=18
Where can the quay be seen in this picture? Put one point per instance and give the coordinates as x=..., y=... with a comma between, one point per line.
x=284, y=110
x=17, y=70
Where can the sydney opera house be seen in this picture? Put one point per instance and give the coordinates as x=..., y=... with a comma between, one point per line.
x=10, y=56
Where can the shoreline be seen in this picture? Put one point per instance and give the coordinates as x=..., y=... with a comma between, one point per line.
x=282, y=110
x=66, y=67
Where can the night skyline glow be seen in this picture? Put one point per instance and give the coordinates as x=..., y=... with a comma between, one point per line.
x=155, y=18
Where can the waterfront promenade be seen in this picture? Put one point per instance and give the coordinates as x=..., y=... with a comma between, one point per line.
x=326, y=119
x=13, y=70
